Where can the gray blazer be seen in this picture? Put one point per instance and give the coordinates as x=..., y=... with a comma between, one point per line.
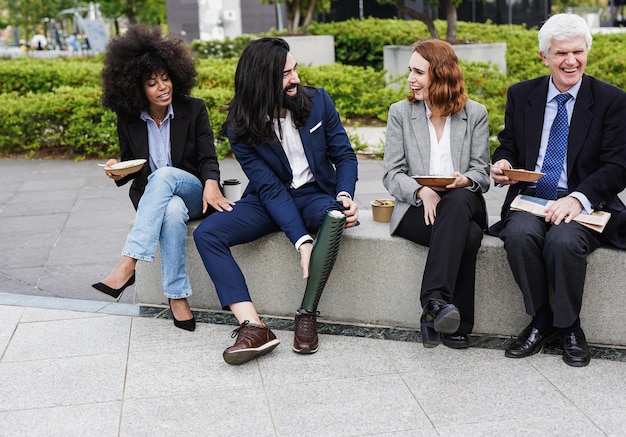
x=407, y=151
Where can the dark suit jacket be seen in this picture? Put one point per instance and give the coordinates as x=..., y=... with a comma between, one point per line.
x=191, y=138
x=329, y=153
x=596, y=151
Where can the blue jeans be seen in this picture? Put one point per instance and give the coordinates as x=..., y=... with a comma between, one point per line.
x=171, y=198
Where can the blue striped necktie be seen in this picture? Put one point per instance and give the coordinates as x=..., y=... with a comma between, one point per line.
x=555, y=151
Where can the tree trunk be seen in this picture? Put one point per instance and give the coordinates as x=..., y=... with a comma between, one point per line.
x=294, y=17
x=309, y=16
x=451, y=18
x=419, y=16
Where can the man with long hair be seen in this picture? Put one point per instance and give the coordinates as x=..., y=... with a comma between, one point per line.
x=302, y=173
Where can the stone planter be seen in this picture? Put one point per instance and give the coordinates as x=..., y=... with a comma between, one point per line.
x=396, y=58
x=312, y=49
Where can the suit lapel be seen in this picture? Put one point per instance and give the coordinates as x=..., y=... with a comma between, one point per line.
x=579, y=124
x=458, y=125
x=279, y=152
x=305, y=136
x=421, y=138
x=139, y=135
x=534, y=114
x=178, y=134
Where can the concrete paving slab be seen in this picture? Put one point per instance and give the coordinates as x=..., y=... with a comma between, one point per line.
x=22, y=226
x=47, y=315
x=17, y=208
x=576, y=425
x=65, y=338
x=239, y=412
x=483, y=392
x=70, y=421
x=595, y=387
x=338, y=358
x=61, y=382
x=612, y=422
x=25, y=277
x=347, y=406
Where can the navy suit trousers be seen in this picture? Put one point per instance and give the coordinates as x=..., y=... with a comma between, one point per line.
x=248, y=221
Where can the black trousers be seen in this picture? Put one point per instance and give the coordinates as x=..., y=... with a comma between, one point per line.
x=542, y=255
x=453, y=241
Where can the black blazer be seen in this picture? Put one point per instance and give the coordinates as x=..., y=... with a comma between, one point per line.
x=191, y=138
x=596, y=150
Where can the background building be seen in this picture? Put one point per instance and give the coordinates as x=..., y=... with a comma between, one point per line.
x=216, y=19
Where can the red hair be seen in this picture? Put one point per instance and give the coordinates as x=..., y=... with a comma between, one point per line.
x=447, y=88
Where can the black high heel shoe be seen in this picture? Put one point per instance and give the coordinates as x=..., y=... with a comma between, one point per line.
x=438, y=317
x=430, y=337
x=114, y=292
x=187, y=325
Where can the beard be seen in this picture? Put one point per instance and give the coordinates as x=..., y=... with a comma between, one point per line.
x=293, y=103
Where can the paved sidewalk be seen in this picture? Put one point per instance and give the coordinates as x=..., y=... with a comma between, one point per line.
x=74, y=364
x=84, y=373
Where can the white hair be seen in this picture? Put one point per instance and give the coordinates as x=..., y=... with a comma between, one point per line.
x=561, y=27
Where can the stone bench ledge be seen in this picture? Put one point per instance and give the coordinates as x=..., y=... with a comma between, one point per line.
x=376, y=281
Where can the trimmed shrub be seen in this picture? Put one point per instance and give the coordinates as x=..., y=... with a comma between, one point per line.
x=53, y=106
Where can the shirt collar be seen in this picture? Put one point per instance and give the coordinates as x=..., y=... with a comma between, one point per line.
x=428, y=111
x=573, y=91
x=170, y=114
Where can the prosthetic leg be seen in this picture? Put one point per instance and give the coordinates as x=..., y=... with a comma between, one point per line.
x=321, y=264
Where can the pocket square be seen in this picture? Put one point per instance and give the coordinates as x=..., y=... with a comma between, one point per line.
x=316, y=127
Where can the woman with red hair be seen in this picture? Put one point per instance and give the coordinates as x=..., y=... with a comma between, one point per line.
x=439, y=131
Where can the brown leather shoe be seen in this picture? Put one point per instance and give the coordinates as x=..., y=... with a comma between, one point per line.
x=252, y=341
x=305, y=332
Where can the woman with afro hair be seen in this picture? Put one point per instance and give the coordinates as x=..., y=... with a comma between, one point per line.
x=147, y=78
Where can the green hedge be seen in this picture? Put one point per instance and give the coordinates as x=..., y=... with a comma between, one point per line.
x=42, y=116
x=67, y=121
x=53, y=106
x=24, y=74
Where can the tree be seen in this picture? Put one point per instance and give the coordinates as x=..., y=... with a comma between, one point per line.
x=451, y=16
x=296, y=22
x=31, y=15
x=451, y=19
x=414, y=14
x=136, y=11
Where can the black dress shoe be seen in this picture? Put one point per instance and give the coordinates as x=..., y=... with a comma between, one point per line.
x=455, y=341
x=114, y=292
x=187, y=325
x=575, y=349
x=529, y=342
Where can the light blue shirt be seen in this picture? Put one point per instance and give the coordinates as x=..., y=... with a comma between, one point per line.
x=159, y=144
x=548, y=119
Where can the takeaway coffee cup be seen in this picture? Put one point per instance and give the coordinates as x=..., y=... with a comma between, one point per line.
x=232, y=189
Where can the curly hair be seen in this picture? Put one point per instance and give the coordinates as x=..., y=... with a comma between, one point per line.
x=447, y=87
x=132, y=59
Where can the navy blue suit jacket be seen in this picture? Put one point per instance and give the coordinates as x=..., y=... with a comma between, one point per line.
x=191, y=138
x=329, y=153
x=596, y=150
